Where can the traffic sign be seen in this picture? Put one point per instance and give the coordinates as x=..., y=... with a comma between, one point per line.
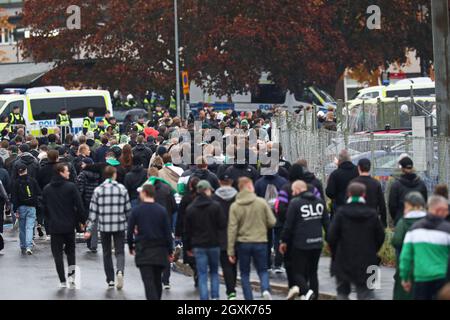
x=185, y=76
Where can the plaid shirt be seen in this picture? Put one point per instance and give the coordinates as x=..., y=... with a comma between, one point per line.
x=110, y=206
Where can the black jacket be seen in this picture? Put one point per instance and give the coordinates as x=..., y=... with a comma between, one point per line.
x=405, y=184
x=133, y=180
x=164, y=196
x=143, y=153
x=100, y=153
x=311, y=179
x=355, y=236
x=225, y=196
x=203, y=223
x=62, y=206
x=4, y=177
x=306, y=219
x=339, y=181
x=18, y=197
x=46, y=173
x=374, y=196
x=242, y=170
x=208, y=176
x=88, y=179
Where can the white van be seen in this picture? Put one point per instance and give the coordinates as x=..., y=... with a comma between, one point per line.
x=403, y=90
x=40, y=107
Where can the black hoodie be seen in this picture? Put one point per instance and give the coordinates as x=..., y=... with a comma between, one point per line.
x=89, y=179
x=205, y=174
x=403, y=185
x=338, y=182
x=28, y=160
x=307, y=217
x=134, y=179
x=242, y=170
x=62, y=206
x=355, y=236
x=203, y=223
x=143, y=153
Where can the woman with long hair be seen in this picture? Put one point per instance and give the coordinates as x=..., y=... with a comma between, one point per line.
x=126, y=159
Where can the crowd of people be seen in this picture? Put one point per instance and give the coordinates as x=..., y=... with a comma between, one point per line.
x=122, y=185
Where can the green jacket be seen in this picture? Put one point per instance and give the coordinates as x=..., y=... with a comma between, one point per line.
x=403, y=226
x=249, y=220
x=425, y=251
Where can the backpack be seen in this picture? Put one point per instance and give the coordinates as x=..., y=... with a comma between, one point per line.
x=271, y=195
x=26, y=194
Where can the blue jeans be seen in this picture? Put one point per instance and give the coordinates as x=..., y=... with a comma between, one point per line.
x=27, y=219
x=204, y=258
x=257, y=252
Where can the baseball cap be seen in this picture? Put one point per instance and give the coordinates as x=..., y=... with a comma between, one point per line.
x=225, y=177
x=88, y=161
x=203, y=185
x=21, y=167
x=406, y=163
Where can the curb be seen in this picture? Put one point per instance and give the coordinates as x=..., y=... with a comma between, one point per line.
x=276, y=288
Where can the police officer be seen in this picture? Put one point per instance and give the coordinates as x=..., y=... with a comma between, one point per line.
x=64, y=122
x=140, y=125
x=89, y=124
x=130, y=103
x=173, y=105
x=106, y=118
x=100, y=130
x=157, y=114
x=4, y=125
x=16, y=119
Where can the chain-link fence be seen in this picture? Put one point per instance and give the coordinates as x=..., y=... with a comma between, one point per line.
x=320, y=148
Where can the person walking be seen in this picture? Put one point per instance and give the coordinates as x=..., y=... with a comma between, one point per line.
x=89, y=178
x=414, y=211
x=307, y=218
x=424, y=259
x=24, y=197
x=406, y=183
x=150, y=241
x=250, y=219
x=340, y=179
x=225, y=196
x=355, y=236
x=203, y=223
x=134, y=179
x=374, y=193
x=64, y=212
x=110, y=207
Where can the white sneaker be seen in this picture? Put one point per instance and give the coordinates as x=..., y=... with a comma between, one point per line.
x=29, y=252
x=119, y=278
x=63, y=285
x=111, y=285
x=278, y=270
x=71, y=282
x=293, y=293
x=166, y=287
x=266, y=295
x=308, y=296
x=47, y=238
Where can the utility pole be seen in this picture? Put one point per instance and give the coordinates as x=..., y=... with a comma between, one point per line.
x=441, y=42
x=177, y=59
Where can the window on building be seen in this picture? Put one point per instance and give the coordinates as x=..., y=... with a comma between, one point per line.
x=6, y=36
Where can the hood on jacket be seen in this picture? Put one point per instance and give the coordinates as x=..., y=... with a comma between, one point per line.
x=202, y=201
x=27, y=158
x=91, y=173
x=358, y=211
x=245, y=198
x=347, y=165
x=201, y=174
x=296, y=172
x=415, y=215
x=308, y=177
x=409, y=180
x=226, y=193
x=308, y=195
x=57, y=181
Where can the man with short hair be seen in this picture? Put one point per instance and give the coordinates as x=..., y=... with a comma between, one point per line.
x=425, y=253
x=142, y=151
x=89, y=123
x=152, y=244
x=374, y=193
x=250, y=219
x=110, y=208
x=64, y=212
x=406, y=183
x=340, y=179
x=64, y=123
x=355, y=236
x=307, y=218
x=24, y=197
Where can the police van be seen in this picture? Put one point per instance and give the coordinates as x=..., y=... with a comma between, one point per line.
x=40, y=106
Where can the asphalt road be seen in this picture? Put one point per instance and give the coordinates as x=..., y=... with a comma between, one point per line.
x=34, y=277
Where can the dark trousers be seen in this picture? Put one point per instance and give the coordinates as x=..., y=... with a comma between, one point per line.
x=428, y=290
x=276, y=243
x=151, y=276
x=63, y=243
x=288, y=266
x=304, y=269
x=269, y=248
x=229, y=272
x=344, y=289
x=2, y=215
x=166, y=275
x=119, y=247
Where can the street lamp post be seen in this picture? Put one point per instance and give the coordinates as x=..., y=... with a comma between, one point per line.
x=177, y=59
